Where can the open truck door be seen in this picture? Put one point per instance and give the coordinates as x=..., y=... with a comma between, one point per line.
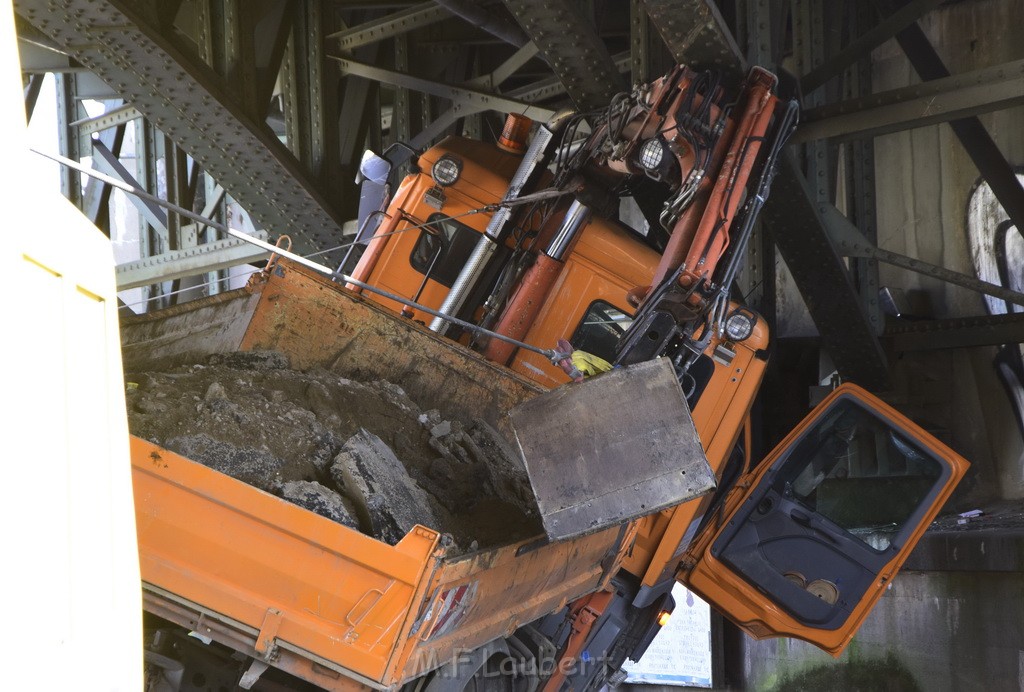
x=808, y=541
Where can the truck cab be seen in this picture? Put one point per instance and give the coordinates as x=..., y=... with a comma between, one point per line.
x=800, y=566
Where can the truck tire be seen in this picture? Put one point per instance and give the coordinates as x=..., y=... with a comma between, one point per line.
x=486, y=669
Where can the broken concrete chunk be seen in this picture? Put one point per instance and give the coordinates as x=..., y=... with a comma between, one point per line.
x=327, y=446
x=504, y=465
x=215, y=392
x=396, y=395
x=253, y=466
x=321, y=403
x=441, y=429
x=321, y=500
x=386, y=497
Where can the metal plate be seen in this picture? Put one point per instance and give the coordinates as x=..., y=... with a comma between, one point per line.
x=610, y=449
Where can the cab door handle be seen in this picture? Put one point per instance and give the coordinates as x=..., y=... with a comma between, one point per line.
x=800, y=517
x=805, y=519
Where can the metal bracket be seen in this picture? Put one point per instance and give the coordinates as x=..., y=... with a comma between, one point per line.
x=266, y=644
x=252, y=675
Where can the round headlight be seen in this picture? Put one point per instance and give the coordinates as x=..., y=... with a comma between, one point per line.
x=447, y=170
x=652, y=153
x=739, y=325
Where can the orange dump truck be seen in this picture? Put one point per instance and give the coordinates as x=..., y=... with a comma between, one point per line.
x=484, y=259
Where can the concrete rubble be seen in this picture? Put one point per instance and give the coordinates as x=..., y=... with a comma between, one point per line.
x=362, y=454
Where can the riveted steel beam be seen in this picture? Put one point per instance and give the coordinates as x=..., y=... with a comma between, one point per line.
x=112, y=118
x=567, y=40
x=552, y=86
x=96, y=198
x=35, y=83
x=696, y=34
x=270, y=38
x=389, y=26
x=106, y=161
x=506, y=69
x=185, y=101
x=482, y=18
x=862, y=46
x=861, y=174
x=792, y=215
x=69, y=141
x=962, y=332
x=639, y=44
x=178, y=264
x=850, y=242
x=919, y=105
x=473, y=98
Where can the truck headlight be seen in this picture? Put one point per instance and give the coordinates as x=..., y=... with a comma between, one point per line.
x=652, y=153
x=447, y=170
x=740, y=324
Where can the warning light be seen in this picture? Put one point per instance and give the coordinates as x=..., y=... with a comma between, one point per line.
x=663, y=618
x=516, y=133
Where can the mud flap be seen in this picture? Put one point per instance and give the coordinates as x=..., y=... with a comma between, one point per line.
x=612, y=448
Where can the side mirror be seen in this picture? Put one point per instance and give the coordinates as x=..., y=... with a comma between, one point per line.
x=374, y=168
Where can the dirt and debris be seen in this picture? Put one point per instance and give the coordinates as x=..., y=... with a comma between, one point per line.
x=362, y=454
x=1001, y=515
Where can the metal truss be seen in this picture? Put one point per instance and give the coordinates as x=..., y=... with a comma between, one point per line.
x=936, y=101
x=389, y=26
x=115, y=41
x=177, y=264
x=574, y=51
x=275, y=99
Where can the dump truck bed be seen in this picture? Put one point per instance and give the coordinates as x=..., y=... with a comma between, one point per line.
x=309, y=595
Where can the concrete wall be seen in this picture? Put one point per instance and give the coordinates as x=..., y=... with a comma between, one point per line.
x=931, y=631
x=924, y=180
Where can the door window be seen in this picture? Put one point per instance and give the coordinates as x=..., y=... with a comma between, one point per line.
x=600, y=329
x=442, y=249
x=854, y=470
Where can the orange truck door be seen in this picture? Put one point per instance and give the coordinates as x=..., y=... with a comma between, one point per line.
x=812, y=537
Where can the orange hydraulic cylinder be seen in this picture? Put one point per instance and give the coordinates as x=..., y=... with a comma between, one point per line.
x=524, y=306
x=682, y=236
x=710, y=240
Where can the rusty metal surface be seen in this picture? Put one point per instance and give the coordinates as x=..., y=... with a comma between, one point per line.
x=186, y=333
x=696, y=34
x=612, y=448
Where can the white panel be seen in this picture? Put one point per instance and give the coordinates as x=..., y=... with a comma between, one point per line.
x=73, y=606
